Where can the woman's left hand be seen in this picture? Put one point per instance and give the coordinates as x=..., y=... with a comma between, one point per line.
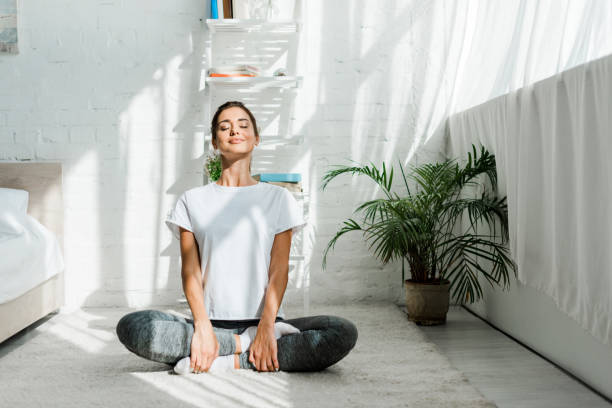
x=263, y=350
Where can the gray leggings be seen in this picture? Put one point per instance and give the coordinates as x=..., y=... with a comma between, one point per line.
x=166, y=338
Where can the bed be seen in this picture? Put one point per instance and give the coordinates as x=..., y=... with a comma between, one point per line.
x=31, y=244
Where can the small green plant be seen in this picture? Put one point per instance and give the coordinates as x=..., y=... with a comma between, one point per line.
x=213, y=166
x=423, y=227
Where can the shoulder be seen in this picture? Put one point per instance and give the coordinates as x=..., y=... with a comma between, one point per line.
x=277, y=192
x=272, y=187
x=195, y=193
x=198, y=190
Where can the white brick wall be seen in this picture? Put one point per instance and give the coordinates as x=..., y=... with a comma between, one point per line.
x=110, y=88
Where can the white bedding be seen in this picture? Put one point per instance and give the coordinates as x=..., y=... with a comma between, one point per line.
x=28, y=259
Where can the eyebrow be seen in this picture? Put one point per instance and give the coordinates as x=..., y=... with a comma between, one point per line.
x=227, y=120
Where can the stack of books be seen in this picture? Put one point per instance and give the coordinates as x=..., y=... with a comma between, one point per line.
x=239, y=70
x=221, y=8
x=249, y=9
x=291, y=181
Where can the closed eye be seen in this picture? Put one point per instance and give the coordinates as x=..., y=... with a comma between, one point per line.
x=224, y=129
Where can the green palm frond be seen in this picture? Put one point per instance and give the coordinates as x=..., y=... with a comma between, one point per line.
x=437, y=179
x=381, y=178
x=350, y=225
x=466, y=286
x=459, y=256
x=477, y=165
x=373, y=208
x=404, y=178
x=391, y=236
x=488, y=209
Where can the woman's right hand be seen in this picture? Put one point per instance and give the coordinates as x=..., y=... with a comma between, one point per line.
x=204, y=348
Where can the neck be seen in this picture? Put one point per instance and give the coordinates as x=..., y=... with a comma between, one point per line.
x=236, y=181
x=236, y=172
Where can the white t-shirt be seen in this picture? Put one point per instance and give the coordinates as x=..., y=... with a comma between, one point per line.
x=235, y=228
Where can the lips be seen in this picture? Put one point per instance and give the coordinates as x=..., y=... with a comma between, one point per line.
x=235, y=141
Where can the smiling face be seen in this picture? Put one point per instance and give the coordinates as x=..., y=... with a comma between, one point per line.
x=235, y=133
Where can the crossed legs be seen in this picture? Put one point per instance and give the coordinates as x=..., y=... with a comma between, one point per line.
x=163, y=337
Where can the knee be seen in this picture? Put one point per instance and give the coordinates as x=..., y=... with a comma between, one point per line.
x=124, y=326
x=346, y=333
x=129, y=326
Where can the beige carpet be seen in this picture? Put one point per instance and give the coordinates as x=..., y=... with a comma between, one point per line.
x=75, y=360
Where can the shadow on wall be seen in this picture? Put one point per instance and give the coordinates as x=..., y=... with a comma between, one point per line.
x=154, y=139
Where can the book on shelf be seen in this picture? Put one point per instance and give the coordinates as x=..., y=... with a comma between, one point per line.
x=279, y=177
x=233, y=70
x=236, y=67
x=241, y=9
x=293, y=187
x=263, y=10
x=221, y=9
x=291, y=181
x=245, y=9
x=213, y=75
x=214, y=11
x=227, y=9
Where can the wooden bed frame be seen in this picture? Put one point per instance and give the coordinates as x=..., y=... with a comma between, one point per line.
x=43, y=181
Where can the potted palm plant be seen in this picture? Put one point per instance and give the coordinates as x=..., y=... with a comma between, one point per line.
x=423, y=227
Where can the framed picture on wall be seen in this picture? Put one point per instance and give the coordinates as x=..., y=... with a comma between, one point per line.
x=8, y=26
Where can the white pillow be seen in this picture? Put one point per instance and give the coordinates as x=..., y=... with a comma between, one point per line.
x=13, y=208
x=14, y=200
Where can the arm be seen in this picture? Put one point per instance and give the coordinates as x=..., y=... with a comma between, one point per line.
x=204, y=343
x=278, y=276
x=263, y=351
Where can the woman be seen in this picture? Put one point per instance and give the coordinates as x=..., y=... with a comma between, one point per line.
x=239, y=231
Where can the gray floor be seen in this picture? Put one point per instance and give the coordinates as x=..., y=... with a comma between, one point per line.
x=503, y=370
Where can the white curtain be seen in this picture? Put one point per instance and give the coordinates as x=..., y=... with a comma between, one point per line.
x=477, y=50
x=553, y=141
